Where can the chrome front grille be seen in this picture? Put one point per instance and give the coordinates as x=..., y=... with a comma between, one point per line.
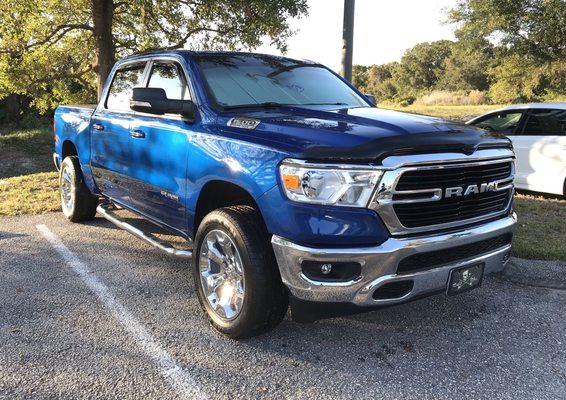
x=444, y=194
x=447, y=177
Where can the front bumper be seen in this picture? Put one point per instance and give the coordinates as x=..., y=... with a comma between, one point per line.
x=379, y=265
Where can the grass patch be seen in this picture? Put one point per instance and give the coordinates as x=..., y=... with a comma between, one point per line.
x=29, y=194
x=455, y=113
x=25, y=151
x=541, y=229
x=28, y=181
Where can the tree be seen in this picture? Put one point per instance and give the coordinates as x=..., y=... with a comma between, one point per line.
x=466, y=67
x=359, y=77
x=535, y=29
x=422, y=66
x=529, y=45
x=375, y=80
x=380, y=81
x=63, y=50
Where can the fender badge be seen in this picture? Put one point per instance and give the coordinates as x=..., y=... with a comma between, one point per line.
x=169, y=195
x=244, y=123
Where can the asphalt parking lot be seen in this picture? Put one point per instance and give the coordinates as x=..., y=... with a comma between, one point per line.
x=89, y=311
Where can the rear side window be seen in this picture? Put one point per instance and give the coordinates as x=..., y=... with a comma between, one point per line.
x=504, y=122
x=546, y=123
x=124, y=81
x=169, y=77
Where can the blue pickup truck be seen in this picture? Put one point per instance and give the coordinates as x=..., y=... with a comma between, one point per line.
x=288, y=186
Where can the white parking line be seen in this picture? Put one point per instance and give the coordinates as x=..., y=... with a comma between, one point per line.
x=178, y=378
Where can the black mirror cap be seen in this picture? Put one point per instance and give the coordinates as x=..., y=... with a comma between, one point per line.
x=155, y=101
x=149, y=100
x=370, y=98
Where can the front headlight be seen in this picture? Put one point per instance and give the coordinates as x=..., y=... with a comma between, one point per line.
x=332, y=185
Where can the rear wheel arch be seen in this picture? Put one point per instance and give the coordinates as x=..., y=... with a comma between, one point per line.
x=68, y=149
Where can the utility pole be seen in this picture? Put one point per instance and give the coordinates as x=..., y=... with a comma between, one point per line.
x=348, y=39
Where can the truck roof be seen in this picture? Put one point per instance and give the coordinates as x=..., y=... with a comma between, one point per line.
x=157, y=53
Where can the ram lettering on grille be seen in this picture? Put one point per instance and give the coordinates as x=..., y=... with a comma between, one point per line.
x=458, y=191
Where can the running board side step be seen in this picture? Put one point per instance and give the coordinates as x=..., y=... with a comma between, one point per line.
x=104, y=210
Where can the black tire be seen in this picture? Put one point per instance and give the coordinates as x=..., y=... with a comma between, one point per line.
x=78, y=203
x=265, y=299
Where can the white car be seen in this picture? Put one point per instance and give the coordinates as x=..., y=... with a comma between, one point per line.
x=538, y=133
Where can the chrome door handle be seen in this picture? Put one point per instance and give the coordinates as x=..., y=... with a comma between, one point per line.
x=137, y=134
x=98, y=127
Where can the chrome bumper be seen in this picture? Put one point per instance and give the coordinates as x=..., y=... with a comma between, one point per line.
x=379, y=265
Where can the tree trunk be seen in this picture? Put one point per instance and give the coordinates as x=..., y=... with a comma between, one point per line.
x=102, y=15
x=13, y=108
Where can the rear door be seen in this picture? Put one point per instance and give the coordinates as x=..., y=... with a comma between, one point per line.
x=541, y=147
x=159, y=147
x=110, y=135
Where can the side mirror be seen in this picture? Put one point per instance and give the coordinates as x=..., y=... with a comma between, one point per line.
x=155, y=101
x=371, y=98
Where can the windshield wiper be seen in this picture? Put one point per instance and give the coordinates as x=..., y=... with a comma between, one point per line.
x=273, y=104
x=323, y=104
x=268, y=104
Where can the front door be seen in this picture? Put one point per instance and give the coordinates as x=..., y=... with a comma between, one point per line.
x=159, y=151
x=110, y=135
x=508, y=123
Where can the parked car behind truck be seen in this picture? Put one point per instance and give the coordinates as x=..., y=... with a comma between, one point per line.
x=287, y=185
x=538, y=133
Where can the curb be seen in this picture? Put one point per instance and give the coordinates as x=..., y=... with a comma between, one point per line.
x=537, y=273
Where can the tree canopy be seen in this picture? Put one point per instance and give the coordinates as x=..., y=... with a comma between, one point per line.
x=535, y=29
x=60, y=50
x=509, y=50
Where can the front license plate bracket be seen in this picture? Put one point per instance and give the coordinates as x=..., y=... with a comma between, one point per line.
x=465, y=278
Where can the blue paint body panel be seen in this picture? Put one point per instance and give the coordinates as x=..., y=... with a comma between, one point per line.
x=161, y=175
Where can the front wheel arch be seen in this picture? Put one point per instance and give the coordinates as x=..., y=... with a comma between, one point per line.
x=216, y=194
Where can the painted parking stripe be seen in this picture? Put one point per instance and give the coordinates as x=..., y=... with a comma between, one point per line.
x=181, y=381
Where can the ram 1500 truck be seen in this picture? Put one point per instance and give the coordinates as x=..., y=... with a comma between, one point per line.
x=288, y=185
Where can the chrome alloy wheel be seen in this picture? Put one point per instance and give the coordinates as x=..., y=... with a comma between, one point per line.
x=221, y=274
x=67, y=196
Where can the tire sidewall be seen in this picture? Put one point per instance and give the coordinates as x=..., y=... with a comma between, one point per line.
x=241, y=322
x=70, y=167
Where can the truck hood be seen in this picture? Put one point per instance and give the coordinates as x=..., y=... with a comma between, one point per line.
x=363, y=134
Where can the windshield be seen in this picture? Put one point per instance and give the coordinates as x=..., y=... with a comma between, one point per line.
x=256, y=81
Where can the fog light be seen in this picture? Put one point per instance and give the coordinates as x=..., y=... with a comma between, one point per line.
x=326, y=269
x=335, y=271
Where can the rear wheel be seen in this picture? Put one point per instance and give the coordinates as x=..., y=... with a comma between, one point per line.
x=77, y=202
x=236, y=275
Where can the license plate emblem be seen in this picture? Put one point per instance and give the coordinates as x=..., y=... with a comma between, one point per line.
x=465, y=278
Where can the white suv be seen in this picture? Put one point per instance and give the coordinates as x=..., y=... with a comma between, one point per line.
x=538, y=133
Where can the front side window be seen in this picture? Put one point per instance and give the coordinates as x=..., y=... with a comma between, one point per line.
x=242, y=80
x=546, y=123
x=124, y=81
x=169, y=77
x=505, y=123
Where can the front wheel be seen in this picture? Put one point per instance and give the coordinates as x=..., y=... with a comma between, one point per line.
x=236, y=275
x=77, y=202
